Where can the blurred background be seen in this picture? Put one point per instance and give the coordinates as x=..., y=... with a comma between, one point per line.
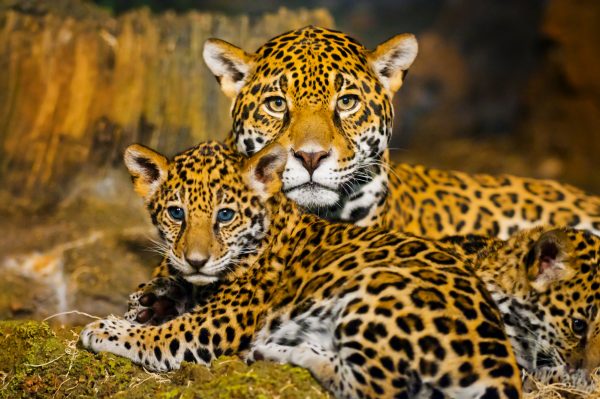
x=506, y=86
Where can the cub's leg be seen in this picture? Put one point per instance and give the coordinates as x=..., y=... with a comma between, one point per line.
x=210, y=330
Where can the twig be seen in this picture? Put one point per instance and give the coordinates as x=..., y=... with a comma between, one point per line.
x=45, y=364
x=72, y=312
x=61, y=384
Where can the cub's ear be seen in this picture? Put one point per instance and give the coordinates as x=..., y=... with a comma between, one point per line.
x=392, y=58
x=148, y=169
x=263, y=171
x=230, y=65
x=548, y=260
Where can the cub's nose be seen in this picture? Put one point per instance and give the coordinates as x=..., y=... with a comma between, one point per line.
x=196, y=263
x=311, y=160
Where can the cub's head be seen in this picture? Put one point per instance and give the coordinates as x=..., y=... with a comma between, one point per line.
x=321, y=95
x=208, y=204
x=550, y=297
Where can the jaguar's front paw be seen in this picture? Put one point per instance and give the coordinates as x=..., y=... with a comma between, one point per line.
x=106, y=335
x=132, y=341
x=159, y=301
x=272, y=352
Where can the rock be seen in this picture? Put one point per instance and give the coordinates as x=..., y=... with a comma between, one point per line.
x=86, y=256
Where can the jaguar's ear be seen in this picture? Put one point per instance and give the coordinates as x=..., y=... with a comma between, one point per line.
x=263, y=171
x=548, y=260
x=230, y=65
x=392, y=58
x=148, y=169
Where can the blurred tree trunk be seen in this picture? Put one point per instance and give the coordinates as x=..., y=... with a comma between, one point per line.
x=77, y=85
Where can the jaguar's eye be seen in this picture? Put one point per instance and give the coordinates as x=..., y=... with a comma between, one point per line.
x=579, y=326
x=276, y=105
x=225, y=215
x=347, y=103
x=176, y=213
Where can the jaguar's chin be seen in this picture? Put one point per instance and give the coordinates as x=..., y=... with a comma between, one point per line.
x=313, y=195
x=200, y=279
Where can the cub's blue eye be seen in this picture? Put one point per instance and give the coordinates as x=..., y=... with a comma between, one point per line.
x=176, y=212
x=225, y=215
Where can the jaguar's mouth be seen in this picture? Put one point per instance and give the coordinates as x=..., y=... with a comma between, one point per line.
x=311, y=185
x=200, y=278
x=312, y=194
x=207, y=274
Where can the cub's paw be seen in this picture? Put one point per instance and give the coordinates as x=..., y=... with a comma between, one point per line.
x=159, y=300
x=130, y=340
x=270, y=351
x=313, y=357
x=107, y=335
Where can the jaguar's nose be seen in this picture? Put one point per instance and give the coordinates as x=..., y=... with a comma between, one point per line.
x=311, y=160
x=196, y=263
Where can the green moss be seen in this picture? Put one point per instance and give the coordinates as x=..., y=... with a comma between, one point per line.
x=36, y=360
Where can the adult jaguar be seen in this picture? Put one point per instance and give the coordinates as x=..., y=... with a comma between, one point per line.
x=327, y=100
x=370, y=313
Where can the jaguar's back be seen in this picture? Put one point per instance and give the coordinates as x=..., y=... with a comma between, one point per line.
x=436, y=203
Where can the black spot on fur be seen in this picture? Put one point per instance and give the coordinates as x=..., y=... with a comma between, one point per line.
x=487, y=330
x=174, y=346
x=204, y=336
x=204, y=354
x=188, y=356
x=462, y=347
x=491, y=393
x=495, y=349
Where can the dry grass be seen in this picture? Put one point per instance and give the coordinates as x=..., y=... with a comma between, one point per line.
x=537, y=389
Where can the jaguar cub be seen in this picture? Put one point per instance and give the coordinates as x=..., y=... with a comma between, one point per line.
x=545, y=282
x=370, y=313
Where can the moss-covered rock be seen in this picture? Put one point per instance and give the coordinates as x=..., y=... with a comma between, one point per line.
x=38, y=361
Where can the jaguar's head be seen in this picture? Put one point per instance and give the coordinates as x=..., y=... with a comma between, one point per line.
x=546, y=282
x=210, y=213
x=321, y=95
